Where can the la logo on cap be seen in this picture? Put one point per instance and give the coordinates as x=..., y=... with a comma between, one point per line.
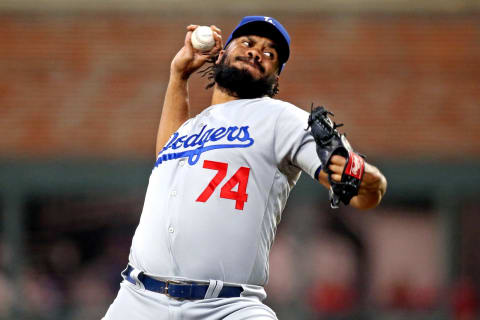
x=268, y=19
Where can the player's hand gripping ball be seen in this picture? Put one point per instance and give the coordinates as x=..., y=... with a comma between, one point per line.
x=202, y=38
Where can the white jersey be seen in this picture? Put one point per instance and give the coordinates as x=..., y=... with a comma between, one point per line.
x=218, y=189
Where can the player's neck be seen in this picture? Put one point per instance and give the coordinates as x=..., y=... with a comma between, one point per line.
x=221, y=96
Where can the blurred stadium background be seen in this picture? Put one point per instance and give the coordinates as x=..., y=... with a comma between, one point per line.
x=81, y=89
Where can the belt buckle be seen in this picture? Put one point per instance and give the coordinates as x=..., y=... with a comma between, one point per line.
x=167, y=284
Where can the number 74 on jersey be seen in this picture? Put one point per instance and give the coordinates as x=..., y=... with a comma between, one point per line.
x=240, y=178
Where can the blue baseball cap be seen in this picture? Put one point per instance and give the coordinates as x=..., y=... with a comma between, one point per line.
x=265, y=27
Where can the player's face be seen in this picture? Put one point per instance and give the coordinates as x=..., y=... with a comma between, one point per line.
x=248, y=68
x=256, y=54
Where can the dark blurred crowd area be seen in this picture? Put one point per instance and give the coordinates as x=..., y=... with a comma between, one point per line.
x=324, y=264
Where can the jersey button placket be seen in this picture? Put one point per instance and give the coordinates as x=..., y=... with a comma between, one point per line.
x=171, y=229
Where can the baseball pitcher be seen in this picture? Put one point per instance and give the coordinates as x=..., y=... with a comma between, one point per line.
x=221, y=180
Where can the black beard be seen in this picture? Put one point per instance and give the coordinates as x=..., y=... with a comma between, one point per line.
x=241, y=84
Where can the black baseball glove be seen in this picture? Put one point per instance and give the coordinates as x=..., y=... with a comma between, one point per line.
x=330, y=142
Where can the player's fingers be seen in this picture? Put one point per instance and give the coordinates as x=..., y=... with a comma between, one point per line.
x=336, y=177
x=218, y=43
x=216, y=29
x=188, y=41
x=217, y=37
x=338, y=160
x=192, y=27
x=336, y=168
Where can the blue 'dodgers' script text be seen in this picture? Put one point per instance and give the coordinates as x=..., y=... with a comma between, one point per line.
x=203, y=141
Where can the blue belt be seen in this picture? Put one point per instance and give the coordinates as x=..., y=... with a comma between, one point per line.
x=178, y=289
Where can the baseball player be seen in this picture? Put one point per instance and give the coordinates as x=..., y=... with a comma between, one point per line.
x=220, y=182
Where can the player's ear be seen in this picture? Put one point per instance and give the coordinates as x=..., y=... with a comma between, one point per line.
x=220, y=55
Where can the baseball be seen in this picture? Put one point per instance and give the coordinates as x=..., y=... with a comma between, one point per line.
x=202, y=38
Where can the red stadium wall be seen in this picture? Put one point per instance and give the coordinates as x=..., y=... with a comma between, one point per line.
x=92, y=85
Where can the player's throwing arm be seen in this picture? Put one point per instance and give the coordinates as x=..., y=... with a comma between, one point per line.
x=188, y=60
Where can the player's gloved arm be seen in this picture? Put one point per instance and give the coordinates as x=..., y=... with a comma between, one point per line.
x=372, y=188
x=345, y=173
x=176, y=104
